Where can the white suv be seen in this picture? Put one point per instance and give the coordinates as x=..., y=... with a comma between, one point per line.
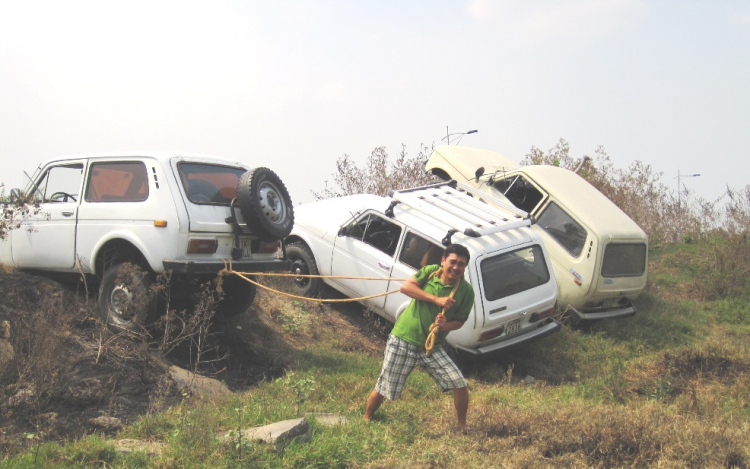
x=158, y=211
x=391, y=237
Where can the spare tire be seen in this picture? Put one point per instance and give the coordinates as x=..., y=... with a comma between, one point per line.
x=265, y=204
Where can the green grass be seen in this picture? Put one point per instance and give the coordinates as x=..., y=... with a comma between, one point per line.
x=669, y=387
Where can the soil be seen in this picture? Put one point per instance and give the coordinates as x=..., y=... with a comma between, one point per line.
x=70, y=376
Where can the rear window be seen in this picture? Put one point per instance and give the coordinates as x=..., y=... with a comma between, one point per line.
x=513, y=272
x=563, y=228
x=209, y=184
x=624, y=260
x=125, y=181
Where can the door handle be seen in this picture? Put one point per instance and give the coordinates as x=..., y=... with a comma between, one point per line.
x=67, y=214
x=383, y=265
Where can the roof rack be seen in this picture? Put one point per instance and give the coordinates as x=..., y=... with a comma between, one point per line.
x=465, y=210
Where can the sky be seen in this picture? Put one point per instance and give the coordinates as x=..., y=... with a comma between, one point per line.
x=293, y=84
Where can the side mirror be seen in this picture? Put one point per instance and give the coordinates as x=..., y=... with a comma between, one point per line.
x=342, y=231
x=479, y=172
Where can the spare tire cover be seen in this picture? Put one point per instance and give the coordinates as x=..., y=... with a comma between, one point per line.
x=265, y=204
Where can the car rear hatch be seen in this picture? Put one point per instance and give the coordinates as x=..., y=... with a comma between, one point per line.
x=518, y=294
x=623, y=277
x=208, y=188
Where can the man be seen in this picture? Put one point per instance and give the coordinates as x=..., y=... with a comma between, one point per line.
x=406, y=344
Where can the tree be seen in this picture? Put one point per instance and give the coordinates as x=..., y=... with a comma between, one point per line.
x=378, y=175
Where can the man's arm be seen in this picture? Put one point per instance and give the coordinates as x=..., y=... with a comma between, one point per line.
x=412, y=289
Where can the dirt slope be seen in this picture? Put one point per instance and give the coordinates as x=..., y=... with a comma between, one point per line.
x=70, y=376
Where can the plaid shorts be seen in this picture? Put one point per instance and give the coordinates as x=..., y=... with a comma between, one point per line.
x=400, y=359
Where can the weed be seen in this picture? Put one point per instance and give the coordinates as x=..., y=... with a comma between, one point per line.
x=302, y=387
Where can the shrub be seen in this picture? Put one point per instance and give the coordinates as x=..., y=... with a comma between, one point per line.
x=378, y=175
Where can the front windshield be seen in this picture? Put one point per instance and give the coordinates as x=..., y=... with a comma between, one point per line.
x=207, y=184
x=513, y=272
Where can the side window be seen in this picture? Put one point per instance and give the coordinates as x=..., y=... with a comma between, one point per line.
x=376, y=231
x=566, y=231
x=59, y=184
x=419, y=252
x=520, y=192
x=117, y=182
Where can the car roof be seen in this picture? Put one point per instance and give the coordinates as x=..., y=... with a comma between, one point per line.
x=336, y=211
x=437, y=230
x=583, y=200
x=162, y=156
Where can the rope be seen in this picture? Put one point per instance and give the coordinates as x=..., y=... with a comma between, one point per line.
x=434, y=328
x=227, y=270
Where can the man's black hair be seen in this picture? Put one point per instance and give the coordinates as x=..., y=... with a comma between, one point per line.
x=458, y=250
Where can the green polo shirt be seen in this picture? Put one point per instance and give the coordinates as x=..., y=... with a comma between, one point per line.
x=414, y=323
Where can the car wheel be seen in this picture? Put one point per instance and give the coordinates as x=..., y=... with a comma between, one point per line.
x=126, y=301
x=239, y=294
x=303, y=263
x=265, y=204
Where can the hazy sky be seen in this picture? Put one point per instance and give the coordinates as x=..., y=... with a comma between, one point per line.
x=293, y=85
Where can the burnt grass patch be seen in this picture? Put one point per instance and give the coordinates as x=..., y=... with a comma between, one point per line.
x=70, y=376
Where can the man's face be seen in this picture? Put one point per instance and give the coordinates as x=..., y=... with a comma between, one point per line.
x=453, y=267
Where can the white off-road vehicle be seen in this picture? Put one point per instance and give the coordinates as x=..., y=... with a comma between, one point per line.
x=389, y=238
x=104, y=215
x=599, y=254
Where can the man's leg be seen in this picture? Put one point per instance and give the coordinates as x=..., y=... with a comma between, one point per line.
x=373, y=404
x=461, y=401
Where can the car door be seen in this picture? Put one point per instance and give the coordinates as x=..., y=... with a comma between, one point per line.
x=366, y=248
x=46, y=240
x=414, y=253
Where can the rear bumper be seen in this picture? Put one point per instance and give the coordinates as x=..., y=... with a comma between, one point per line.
x=212, y=267
x=549, y=327
x=622, y=311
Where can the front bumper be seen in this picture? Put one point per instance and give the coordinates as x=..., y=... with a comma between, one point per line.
x=212, y=267
x=549, y=327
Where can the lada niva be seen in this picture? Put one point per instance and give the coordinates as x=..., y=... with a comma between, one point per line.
x=390, y=238
x=599, y=254
x=100, y=215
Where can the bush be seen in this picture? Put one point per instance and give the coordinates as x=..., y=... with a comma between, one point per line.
x=378, y=175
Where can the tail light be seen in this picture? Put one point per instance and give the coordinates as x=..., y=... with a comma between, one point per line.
x=202, y=246
x=491, y=334
x=541, y=315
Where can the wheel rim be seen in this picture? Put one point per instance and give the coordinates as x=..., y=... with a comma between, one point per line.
x=121, y=304
x=272, y=203
x=299, y=267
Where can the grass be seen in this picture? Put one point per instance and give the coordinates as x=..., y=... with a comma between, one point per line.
x=669, y=387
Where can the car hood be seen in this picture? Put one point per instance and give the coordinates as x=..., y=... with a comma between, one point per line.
x=466, y=161
x=328, y=215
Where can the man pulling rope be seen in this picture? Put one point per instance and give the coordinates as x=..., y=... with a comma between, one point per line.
x=432, y=312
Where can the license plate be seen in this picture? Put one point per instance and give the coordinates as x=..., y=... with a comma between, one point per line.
x=513, y=326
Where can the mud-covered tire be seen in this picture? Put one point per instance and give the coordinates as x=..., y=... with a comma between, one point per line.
x=239, y=294
x=126, y=301
x=303, y=262
x=265, y=204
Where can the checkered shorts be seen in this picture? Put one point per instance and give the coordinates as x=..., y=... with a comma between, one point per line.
x=400, y=359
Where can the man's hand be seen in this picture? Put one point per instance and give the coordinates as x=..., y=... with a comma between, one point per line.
x=445, y=302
